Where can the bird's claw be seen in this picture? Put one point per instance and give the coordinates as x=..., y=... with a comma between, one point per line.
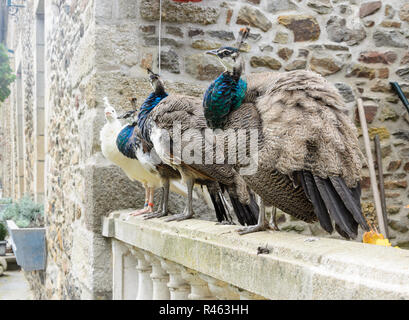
x=273, y=227
x=140, y=212
x=179, y=217
x=226, y=223
x=251, y=229
x=157, y=214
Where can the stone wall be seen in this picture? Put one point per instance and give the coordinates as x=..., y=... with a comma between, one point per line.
x=101, y=48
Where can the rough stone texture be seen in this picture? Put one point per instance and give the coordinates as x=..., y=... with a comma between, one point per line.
x=404, y=12
x=403, y=73
x=205, y=44
x=320, y=6
x=325, y=66
x=280, y=5
x=296, y=65
x=265, y=61
x=369, y=8
x=202, y=66
x=222, y=35
x=305, y=28
x=360, y=71
x=391, y=24
x=339, y=32
x=285, y=53
x=345, y=91
x=389, y=38
x=176, y=31
x=178, y=12
x=370, y=113
x=382, y=132
x=253, y=17
x=373, y=57
x=393, y=166
x=405, y=59
x=388, y=114
x=281, y=37
x=169, y=60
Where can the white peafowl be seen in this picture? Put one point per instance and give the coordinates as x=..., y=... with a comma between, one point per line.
x=122, y=145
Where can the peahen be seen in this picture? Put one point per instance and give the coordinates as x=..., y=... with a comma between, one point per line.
x=159, y=121
x=308, y=160
x=124, y=146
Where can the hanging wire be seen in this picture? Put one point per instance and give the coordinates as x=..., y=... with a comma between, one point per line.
x=160, y=31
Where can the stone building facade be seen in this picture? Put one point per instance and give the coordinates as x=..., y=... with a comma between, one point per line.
x=69, y=54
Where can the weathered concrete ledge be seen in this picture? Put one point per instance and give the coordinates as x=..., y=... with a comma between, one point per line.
x=297, y=267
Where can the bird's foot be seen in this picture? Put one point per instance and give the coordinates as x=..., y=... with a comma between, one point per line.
x=251, y=229
x=141, y=211
x=274, y=227
x=226, y=223
x=180, y=217
x=157, y=214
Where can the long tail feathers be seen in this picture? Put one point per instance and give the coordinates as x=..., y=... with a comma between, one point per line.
x=332, y=199
x=311, y=190
x=218, y=205
x=352, y=203
x=246, y=214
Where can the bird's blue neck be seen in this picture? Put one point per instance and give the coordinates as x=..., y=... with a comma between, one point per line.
x=151, y=102
x=223, y=96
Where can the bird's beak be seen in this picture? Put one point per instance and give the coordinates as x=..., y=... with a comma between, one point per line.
x=212, y=52
x=108, y=114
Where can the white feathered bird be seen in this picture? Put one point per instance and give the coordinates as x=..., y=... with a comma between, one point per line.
x=122, y=146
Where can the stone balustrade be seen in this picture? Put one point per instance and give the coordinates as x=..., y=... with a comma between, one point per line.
x=197, y=259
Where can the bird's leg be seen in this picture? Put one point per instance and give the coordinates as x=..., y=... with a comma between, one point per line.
x=261, y=223
x=273, y=221
x=188, y=212
x=146, y=206
x=163, y=207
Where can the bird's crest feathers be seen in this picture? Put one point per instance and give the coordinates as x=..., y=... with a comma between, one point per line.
x=243, y=35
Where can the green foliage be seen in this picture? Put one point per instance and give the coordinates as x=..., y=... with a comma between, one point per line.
x=6, y=74
x=3, y=231
x=25, y=213
x=5, y=200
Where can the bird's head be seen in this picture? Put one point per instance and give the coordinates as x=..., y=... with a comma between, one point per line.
x=155, y=80
x=229, y=56
x=110, y=114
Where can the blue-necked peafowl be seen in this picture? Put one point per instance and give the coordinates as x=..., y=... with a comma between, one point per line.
x=158, y=121
x=124, y=146
x=309, y=161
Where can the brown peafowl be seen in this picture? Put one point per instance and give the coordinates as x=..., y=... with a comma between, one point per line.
x=309, y=161
x=159, y=120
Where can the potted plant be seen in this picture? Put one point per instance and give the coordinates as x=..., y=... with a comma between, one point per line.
x=25, y=223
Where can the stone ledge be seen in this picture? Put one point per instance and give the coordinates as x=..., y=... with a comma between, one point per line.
x=297, y=267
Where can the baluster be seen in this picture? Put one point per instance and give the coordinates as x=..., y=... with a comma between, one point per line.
x=144, y=279
x=199, y=288
x=178, y=287
x=159, y=278
x=130, y=277
x=118, y=252
x=220, y=289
